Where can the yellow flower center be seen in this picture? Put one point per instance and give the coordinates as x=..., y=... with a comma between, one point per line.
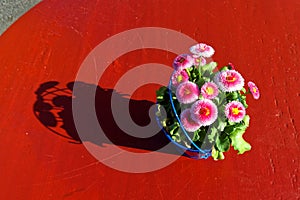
x=230, y=78
x=254, y=90
x=209, y=90
x=204, y=111
x=235, y=111
x=179, y=78
x=187, y=91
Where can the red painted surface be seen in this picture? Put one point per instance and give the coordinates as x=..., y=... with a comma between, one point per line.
x=50, y=42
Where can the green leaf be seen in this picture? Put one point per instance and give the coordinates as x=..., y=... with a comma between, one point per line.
x=212, y=134
x=236, y=132
x=209, y=67
x=188, y=72
x=229, y=129
x=196, y=136
x=216, y=100
x=223, y=143
x=193, y=74
x=243, y=90
x=224, y=68
x=244, y=124
x=221, y=124
x=200, y=82
x=232, y=96
x=161, y=91
x=214, y=154
x=217, y=155
x=243, y=101
x=238, y=141
x=206, y=79
x=231, y=123
x=176, y=137
x=173, y=129
x=246, y=120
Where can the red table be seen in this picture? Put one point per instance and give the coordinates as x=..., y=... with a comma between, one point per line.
x=49, y=43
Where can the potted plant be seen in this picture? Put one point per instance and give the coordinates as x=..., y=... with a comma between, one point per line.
x=203, y=109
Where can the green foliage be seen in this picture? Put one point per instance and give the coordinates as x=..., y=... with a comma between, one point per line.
x=212, y=134
x=222, y=142
x=209, y=67
x=161, y=93
x=232, y=95
x=217, y=155
x=236, y=136
x=238, y=141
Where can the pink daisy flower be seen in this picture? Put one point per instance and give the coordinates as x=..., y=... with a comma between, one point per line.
x=254, y=90
x=179, y=77
x=235, y=111
x=204, y=112
x=229, y=80
x=202, y=50
x=183, y=61
x=187, y=92
x=187, y=122
x=209, y=90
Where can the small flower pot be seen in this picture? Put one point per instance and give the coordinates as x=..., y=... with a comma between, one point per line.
x=189, y=148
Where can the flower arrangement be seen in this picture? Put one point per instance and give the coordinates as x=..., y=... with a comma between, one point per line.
x=203, y=110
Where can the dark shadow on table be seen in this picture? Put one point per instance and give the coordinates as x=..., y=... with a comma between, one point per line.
x=53, y=108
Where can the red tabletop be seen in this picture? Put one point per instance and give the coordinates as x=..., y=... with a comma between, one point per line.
x=41, y=154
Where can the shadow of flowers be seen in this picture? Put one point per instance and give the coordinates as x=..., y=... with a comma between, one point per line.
x=53, y=108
